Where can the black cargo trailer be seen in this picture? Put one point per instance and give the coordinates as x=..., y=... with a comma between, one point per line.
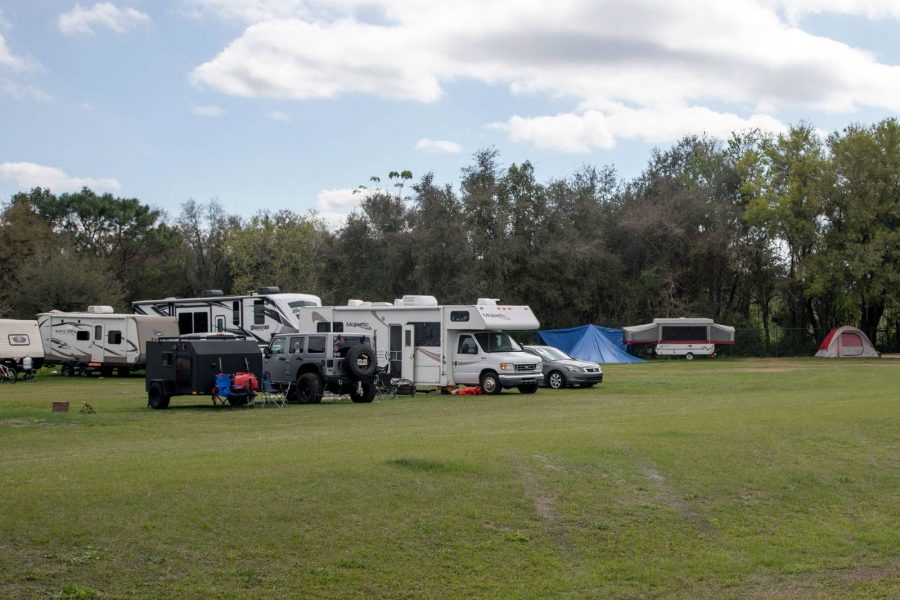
x=188, y=366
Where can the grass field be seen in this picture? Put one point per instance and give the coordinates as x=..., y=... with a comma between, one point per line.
x=729, y=478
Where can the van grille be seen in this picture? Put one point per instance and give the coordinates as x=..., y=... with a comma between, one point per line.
x=526, y=367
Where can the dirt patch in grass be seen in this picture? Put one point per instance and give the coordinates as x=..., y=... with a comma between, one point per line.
x=673, y=499
x=544, y=501
x=816, y=584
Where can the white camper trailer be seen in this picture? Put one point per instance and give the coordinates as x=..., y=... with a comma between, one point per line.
x=687, y=337
x=439, y=346
x=20, y=339
x=255, y=316
x=100, y=339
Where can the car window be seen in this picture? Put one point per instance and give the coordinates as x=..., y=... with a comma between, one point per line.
x=316, y=344
x=277, y=346
x=296, y=345
x=467, y=345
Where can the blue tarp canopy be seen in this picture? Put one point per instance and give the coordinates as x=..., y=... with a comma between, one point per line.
x=589, y=342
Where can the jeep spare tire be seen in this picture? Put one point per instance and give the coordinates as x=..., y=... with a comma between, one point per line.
x=360, y=361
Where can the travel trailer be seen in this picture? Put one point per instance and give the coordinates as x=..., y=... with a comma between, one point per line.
x=417, y=339
x=19, y=339
x=254, y=316
x=99, y=339
x=687, y=337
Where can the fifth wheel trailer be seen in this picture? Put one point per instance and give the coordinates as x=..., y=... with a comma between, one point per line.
x=683, y=336
x=100, y=339
x=256, y=316
x=434, y=345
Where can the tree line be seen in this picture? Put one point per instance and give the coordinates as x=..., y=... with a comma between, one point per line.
x=782, y=235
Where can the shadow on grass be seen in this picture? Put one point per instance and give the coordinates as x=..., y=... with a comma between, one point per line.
x=421, y=465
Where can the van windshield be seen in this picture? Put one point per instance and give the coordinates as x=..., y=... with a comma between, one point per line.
x=496, y=341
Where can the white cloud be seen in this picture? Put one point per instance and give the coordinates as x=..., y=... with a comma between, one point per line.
x=14, y=62
x=873, y=9
x=209, y=110
x=277, y=115
x=81, y=20
x=427, y=145
x=335, y=205
x=594, y=129
x=247, y=11
x=22, y=91
x=660, y=59
x=28, y=175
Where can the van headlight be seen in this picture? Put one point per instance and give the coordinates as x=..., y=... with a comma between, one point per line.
x=507, y=367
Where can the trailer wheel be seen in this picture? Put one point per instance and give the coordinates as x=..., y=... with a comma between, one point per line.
x=689, y=356
x=157, y=397
x=360, y=361
x=556, y=380
x=490, y=384
x=529, y=388
x=309, y=389
x=368, y=393
x=67, y=371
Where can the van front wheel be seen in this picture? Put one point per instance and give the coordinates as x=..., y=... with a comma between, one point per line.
x=490, y=384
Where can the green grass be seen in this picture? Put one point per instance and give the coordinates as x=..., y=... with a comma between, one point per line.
x=728, y=478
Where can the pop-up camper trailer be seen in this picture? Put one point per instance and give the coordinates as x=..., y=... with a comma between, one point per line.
x=254, y=316
x=19, y=339
x=440, y=346
x=99, y=339
x=684, y=336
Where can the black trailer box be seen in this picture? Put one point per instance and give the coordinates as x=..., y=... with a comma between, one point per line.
x=184, y=366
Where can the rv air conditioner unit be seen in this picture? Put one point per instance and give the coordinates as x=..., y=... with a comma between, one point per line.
x=488, y=301
x=411, y=300
x=100, y=309
x=271, y=289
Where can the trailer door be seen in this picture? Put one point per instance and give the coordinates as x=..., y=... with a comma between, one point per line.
x=97, y=343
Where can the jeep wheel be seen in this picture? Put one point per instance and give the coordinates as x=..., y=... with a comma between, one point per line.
x=309, y=389
x=368, y=393
x=490, y=384
x=360, y=361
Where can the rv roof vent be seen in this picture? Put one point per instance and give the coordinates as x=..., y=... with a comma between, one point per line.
x=356, y=302
x=488, y=301
x=211, y=293
x=410, y=300
x=272, y=289
x=100, y=310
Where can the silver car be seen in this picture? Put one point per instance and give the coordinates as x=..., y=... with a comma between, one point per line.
x=561, y=370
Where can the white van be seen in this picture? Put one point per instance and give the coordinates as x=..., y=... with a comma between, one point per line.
x=434, y=345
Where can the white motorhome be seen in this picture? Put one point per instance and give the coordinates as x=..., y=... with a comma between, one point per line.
x=255, y=316
x=100, y=339
x=18, y=339
x=417, y=339
x=687, y=337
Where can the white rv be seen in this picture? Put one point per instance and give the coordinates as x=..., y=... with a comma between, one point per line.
x=100, y=339
x=439, y=346
x=687, y=337
x=19, y=339
x=255, y=316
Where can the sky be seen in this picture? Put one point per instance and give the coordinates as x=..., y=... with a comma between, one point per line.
x=292, y=104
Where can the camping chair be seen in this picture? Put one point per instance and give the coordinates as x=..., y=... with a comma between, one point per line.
x=273, y=394
x=385, y=387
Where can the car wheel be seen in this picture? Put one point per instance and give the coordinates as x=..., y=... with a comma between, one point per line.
x=309, y=389
x=689, y=356
x=368, y=393
x=556, y=380
x=490, y=384
x=157, y=397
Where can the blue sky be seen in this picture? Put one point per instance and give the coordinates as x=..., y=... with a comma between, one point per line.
x=271, y=104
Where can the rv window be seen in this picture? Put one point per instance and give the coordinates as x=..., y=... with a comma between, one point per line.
x=296, y=345
x=83, y=336
x=98, y=332
x=337, y=326
x=277, y=346
x=167, y=359
x=236, y=312
x=684, y=333
x=185, y=323
x=18, y=339
x=323, y=327
x=427, y=334
x=220, y=324
x=201, y=322
x=316, y=344
x=259, y=312
x=114, y=337
x=299, y=303
x=467, y=345
x=459, y=316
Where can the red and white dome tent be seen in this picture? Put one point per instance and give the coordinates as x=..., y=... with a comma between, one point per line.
x=846, y=341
